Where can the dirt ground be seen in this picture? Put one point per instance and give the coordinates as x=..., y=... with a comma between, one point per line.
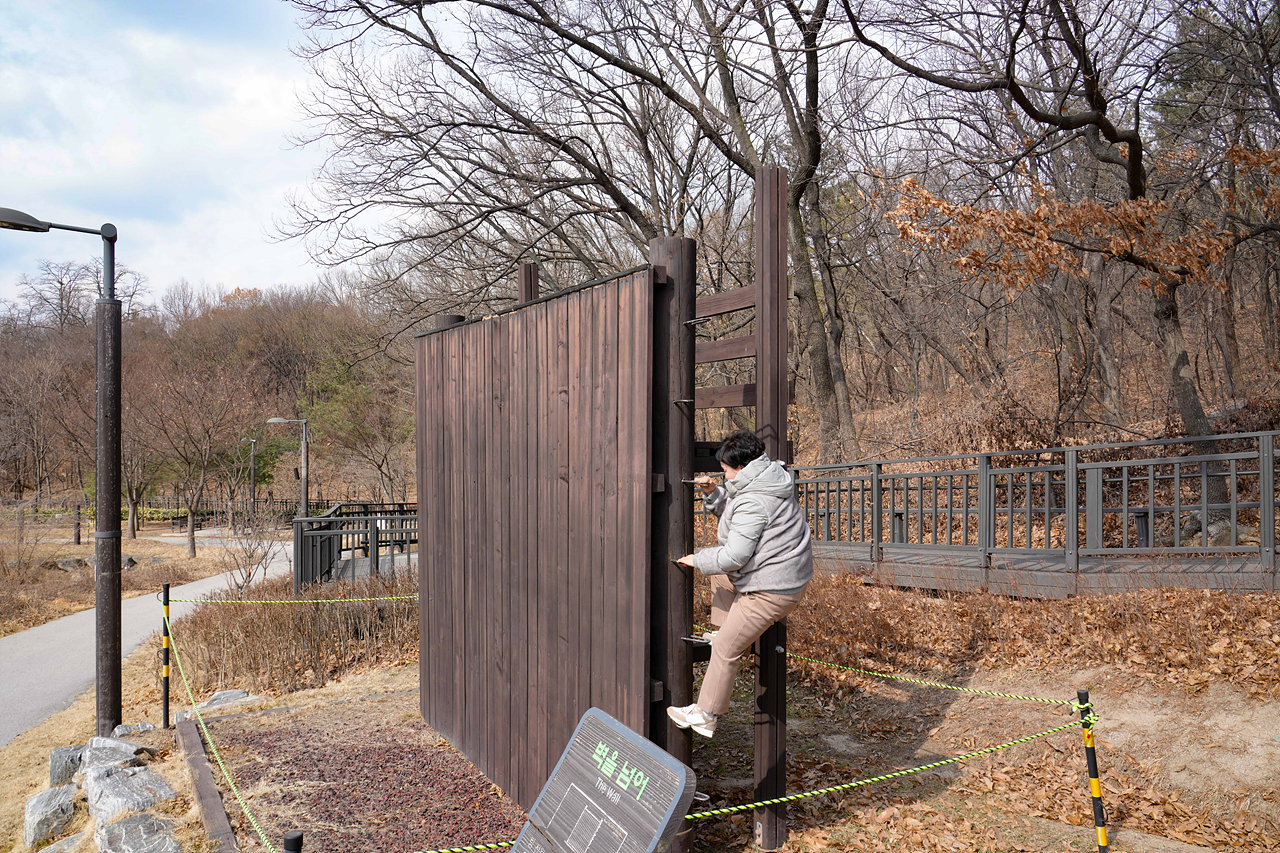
x=1187, y=763
x=354, y=766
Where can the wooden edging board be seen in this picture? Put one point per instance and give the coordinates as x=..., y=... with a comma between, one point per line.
x=212, y=813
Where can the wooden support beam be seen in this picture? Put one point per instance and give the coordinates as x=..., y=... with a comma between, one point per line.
x=723, y=396
x=671, y=592
x=527, y=278
x=723, y=303
x=725, y=349
x=771, y=424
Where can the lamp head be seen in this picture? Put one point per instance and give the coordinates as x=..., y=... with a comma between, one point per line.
x=277, y=421
x=16, y=220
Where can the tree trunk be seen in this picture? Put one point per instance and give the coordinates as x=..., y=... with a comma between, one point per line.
x=815, y=339
x=1182, y=383
x=1104, y=339
x=1225, y=331
x=1270, y=307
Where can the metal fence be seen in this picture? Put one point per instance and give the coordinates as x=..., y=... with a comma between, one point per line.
x=353, y=540
x=1056, y=521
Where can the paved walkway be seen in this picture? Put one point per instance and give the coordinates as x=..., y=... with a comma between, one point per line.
x=43, y=669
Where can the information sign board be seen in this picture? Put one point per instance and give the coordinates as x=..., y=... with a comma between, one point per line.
x=611, y=792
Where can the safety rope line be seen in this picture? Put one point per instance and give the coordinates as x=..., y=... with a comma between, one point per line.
x=289, y=600
x=1070, y=702
x=887, y=776
x=1092, y=718
x=226, y=774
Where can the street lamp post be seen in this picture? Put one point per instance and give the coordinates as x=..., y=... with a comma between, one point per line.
x=253, y=471
x=107, y=498
x=304, y=507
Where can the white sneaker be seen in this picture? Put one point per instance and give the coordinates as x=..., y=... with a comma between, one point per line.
x=693, y=717
x=709, y=635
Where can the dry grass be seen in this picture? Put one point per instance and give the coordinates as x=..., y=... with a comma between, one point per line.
x=26, y=758
x=279, y=648
x=34, y=591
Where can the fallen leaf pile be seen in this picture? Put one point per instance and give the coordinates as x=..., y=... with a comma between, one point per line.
x=1174, y=636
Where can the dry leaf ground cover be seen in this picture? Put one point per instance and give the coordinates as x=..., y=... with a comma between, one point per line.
x=1185, y=682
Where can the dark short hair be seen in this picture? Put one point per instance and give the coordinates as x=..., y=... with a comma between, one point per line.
x=739, y=449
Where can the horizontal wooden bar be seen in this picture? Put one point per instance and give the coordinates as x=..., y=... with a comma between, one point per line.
x=725, y=349
x=723, y=396
x=723, y=303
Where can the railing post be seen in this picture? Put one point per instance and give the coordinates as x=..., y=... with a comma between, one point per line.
x=1267, y=506
x=297, y=556
x=986, y=508
x=373, y=544
x=877, y=514
x=75, y=540
x=1071, y=481
x=164, y=679
x=1093, y=508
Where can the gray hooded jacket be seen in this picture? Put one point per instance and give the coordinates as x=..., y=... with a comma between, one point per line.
x=764, y=538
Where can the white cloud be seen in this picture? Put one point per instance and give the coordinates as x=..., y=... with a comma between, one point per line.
x=177, y=137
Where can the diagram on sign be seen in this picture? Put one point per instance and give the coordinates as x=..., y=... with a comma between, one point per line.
x=584, y=825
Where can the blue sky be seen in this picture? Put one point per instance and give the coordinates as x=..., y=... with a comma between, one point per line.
x=167, y=118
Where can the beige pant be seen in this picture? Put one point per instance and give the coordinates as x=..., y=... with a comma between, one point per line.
x=741, y=618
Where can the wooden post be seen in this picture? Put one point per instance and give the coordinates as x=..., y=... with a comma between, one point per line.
x=528, y=282
x=771, y=424
x=671, y=608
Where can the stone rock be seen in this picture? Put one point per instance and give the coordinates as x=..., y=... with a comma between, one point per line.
x=132, y=729
x=155, y=561
x=69, y=564
x=224, y=697
x=125, y=562
x=48, y=813
x=64, y=761
x=64, y=845
x=217, y=700
x=143, y=833
x=110, y=752
x=111, y=791
x=117, y=743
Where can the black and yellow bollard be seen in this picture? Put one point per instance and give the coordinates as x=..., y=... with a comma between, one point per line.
x=164, y=661
x=1091, y=756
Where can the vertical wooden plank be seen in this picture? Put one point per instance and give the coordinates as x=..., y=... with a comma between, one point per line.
x=635, y=493
x=469, y=515
x=577, y=630
x=564, y=718
x=517, y=548
x=608, y=606
x=502, y=517
x=457, y=551
x=534, y=553
x=424, y=450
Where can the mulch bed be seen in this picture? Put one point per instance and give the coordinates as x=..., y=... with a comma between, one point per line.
x=371, y=777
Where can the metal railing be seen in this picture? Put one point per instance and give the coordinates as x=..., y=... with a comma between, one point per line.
x=1064, y=506
x=353, y=540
